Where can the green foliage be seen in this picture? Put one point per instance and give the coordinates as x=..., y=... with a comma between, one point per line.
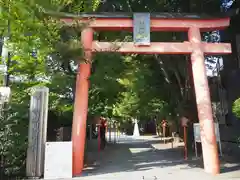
x=105, y=89
x=236, y=107
x=30, y=29
x=125, y=87
x=13, y=130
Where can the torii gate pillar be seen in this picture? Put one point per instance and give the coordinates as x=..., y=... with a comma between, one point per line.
x=205, y=115
x=81, y=103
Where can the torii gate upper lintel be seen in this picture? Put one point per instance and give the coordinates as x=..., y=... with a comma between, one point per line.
x=194, y=25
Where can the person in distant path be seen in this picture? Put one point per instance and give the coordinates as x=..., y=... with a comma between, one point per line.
x=103, y=126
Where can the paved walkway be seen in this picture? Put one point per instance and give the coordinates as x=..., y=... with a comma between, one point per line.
x=145, y=158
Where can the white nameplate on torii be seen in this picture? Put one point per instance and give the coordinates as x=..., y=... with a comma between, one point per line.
x=141, y=29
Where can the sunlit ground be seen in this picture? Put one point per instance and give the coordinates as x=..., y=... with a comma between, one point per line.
x=146, y=157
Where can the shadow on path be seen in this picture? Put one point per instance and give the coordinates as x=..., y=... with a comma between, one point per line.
x=149, y=156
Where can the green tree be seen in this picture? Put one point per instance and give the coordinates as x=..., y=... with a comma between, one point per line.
x=30, y=29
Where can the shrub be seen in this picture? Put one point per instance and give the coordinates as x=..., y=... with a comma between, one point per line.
x=236, y=108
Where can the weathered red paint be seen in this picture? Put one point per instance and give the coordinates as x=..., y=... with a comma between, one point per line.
x=157, y=24
x=160, y=48
x=207, y=129
x=195, y=47
x=81, y=104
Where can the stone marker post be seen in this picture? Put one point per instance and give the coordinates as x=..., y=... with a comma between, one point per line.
x=37, y=132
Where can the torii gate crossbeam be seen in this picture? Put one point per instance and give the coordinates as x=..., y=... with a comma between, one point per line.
x=194, y=47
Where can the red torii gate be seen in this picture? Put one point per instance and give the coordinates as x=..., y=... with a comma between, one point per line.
x=194, y=25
